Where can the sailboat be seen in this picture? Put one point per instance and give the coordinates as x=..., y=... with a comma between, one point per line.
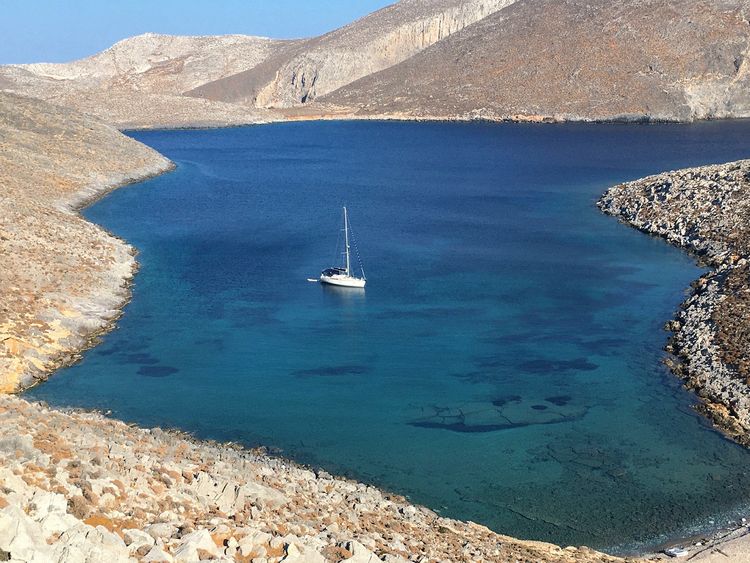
x=342, y=275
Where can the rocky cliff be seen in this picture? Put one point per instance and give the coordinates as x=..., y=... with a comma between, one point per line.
x=63, y=279
x=312, y=68
x=575, y=59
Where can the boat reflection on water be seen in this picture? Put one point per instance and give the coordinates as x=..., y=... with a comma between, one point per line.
x=344, y=295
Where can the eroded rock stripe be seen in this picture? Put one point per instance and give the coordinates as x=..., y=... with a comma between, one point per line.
x=705, y=210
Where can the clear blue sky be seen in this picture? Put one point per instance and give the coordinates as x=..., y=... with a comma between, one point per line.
x=63, y=30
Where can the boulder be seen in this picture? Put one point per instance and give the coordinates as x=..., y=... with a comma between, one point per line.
x=86, y=544
x=138, y=541
x=360, y=554
x=22, y=537
x=161, y=530
x=157, y=555
x=299, y=554
x=196, y=546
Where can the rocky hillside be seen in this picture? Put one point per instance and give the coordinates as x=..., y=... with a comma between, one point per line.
x=304, y=71
x=575, y=59
x=79, y=487
x=706, y=211
x=63, y=279
x=428, y=59
x=140, y=81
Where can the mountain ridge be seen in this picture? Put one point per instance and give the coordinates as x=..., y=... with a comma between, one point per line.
x=645, y=69
x=522, y=60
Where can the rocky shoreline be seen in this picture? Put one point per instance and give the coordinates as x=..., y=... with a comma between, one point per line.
x=706, y=211
x=77, y=486
x=64, y=279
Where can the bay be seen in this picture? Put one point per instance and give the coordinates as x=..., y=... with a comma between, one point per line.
x=504, y=364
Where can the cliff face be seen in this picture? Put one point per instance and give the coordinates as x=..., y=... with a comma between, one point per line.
x=140, y=81
x=320, y=65
x=576, y=59
x=63, y=279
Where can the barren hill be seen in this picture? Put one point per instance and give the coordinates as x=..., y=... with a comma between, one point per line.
x=62, y=278
x=140, y=81
x=433, y=59
x=303, y=71
x=576, y=59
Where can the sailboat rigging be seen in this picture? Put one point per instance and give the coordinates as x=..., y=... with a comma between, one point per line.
x=342, y=275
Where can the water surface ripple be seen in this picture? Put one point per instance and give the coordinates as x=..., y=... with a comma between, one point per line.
x=504, y=363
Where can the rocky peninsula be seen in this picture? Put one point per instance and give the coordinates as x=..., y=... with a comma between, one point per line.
x=706, y=211
x=63, y=279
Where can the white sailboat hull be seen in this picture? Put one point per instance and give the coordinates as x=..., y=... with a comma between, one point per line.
x=341, y=275
x=343, y=281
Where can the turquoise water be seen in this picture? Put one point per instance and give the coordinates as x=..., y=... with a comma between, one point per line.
x=503, y=364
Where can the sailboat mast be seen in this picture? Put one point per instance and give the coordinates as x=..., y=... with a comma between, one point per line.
x=346, y=239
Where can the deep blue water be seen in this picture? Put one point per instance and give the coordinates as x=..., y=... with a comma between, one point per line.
x=503, y=364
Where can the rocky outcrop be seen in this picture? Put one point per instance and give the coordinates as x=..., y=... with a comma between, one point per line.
x=574, y=60
x=63, y=279
x=312, y=68
x=140, y=81
x=80, y=487
x=706, y=211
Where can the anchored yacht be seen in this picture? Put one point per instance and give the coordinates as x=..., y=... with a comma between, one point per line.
x=342, y=275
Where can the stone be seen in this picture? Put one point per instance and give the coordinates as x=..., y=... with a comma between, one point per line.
x=22, y=537
x=157, y=555
x=86, y=544
x=139, y=542
x=298, y=554
x=56, y=523
x=360, y=554
x=161, y=530
x=196, y=546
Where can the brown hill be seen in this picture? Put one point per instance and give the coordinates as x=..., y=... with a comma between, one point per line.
x=62, y=278
x=302, y=71
x=140, y=81
x=575, y=59
x=433, y=59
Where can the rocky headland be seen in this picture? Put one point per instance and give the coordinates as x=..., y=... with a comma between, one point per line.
x=63, y=279
x=706, y=211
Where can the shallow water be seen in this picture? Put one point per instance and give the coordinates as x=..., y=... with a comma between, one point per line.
x=503, y=364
